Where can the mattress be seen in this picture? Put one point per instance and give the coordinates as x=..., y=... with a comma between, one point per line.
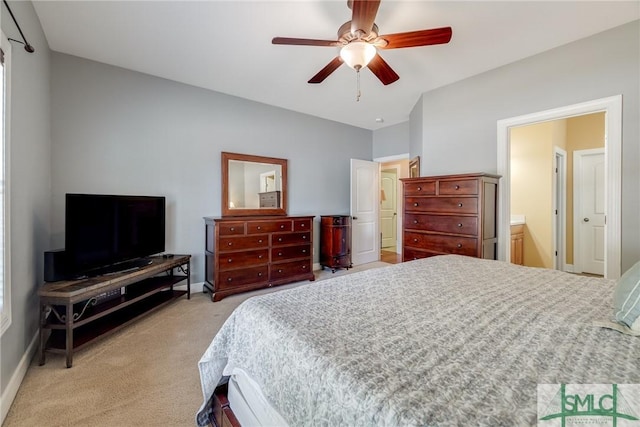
x=447, y=340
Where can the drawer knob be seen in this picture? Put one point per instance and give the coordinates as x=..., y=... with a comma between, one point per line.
x=304, y=237
x=282, y=226
x=233, y=229
x=259, y=256
x=419, y=188
x=279, y=253
x=279, y=239
x=304, y=251
x=260, y=274
x=229, y=260
x=415, y=221
x=415, y=204
x=459, y=245
x=303, y=225
x=304, y=267
x=457, y=187
x=459, y=205
x=260, y=241
x=229, y=279
x=259, y=228
x=229, y=243
x=280, y=270
x=460, y=225
x=415, y=240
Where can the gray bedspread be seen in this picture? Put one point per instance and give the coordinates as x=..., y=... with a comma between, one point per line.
x=448, y=340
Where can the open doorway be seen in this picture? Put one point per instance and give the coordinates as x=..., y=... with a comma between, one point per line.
x=612, y=109
x=391, y=209
x=549, y=188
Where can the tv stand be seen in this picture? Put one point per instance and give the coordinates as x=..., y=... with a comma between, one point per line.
x=71, y=315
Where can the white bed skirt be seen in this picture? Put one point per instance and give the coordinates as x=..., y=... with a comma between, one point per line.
x=248, y=403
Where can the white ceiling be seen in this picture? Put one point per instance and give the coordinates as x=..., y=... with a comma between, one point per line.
x=226, y=45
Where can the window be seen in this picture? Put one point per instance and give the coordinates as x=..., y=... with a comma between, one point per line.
x=5, y=89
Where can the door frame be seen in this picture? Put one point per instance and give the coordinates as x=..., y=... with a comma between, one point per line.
x=612, y=107
x=396, y=168
x=399, y=202
x=559, y=216
x=577, y=222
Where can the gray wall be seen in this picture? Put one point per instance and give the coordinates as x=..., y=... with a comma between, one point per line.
x=30, y=176
x=459, y=120
x=391, y=140
x=123, y=132
x=416, y=132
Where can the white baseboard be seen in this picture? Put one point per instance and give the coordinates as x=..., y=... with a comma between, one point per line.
x=195, y=287
x=568, y=268
x=9, y=394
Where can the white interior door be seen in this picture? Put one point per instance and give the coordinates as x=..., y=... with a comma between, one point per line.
x=365, y=193
x=589, y=198
x=388, y=214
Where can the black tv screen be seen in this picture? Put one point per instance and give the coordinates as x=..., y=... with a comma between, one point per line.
x=107, y=230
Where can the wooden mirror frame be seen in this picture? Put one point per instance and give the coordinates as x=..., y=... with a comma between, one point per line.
x=226, y=210
x=414, y=167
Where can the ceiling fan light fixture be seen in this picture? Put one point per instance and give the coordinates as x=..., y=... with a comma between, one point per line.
x=357, y=54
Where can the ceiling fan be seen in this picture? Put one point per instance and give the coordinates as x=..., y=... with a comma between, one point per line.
x=359, y=41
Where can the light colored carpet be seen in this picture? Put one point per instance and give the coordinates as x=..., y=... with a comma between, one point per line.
x=144, y=375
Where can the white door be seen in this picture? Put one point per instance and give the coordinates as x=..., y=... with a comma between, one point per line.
x=365, y=188
x=589, y=205
x=388, y=214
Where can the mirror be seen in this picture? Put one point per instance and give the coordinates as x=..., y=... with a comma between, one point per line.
x=253, y=185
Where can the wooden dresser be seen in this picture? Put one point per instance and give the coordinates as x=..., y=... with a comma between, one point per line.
x=247, y=253
x=335, y=241
x=450, y=214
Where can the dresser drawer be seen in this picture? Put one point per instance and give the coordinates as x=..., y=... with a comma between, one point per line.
x=463, y=186
x=411, y=254
x=302, y=224
x=233, y=278
x=463, y=205
x=279, y=239
x=427, y=188
x=233, y=260
x=289, y=252
x=336, y=220
x=268, y=226
x=230, y=228
x=293, y=268
x=243, y=242
x=467, y=225
x=438, y=243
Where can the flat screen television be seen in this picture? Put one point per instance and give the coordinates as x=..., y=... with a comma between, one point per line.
x=107, y=233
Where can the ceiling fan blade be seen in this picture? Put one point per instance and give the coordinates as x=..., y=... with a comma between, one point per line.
x=328, y=69
x=416, y=38
x=382, y=70
x=303, y=42
x=363, y=15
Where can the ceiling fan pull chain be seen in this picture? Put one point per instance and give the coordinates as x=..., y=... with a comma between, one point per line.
x=357, y=85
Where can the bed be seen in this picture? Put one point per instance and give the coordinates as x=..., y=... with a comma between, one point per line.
x=446, y=340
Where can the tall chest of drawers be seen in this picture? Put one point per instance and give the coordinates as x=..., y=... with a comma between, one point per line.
x=335, y=241
x=450, y=214
x=244, y=254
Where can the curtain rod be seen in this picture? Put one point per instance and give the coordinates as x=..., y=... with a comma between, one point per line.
x=26, y=44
